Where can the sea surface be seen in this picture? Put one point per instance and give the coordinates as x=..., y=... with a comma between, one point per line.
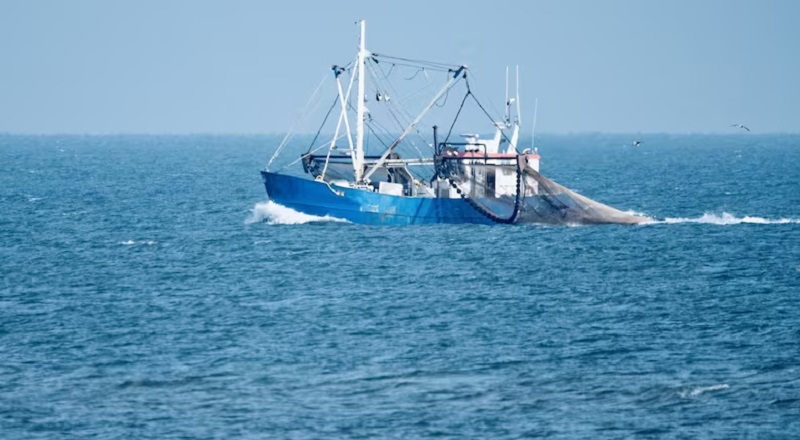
x=149, y=290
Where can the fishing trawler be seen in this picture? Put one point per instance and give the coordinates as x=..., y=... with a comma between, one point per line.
x=469, y=180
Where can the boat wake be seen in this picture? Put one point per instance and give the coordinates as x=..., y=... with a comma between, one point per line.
x=724, y=219
x=275, y=214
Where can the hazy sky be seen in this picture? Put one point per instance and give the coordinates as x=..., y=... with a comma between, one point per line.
x=246, y=66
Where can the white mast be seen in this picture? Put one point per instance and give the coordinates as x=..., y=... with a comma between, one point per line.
x=512, y=146
x=358, y=161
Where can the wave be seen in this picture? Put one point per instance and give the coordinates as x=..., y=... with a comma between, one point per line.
x=142, y=242
x=725, y=219
x=696, y=391
x=275, y=214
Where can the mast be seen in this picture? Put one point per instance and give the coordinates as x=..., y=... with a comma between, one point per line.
x=358, y=161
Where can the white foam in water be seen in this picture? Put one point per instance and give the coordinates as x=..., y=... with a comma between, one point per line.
x=694, y=392
x=641, y=214
x=276, y=214
x=725, y=219
x=133, y=243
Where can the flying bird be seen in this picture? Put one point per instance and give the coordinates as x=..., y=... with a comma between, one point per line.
x=637, y=143
x=740, y=126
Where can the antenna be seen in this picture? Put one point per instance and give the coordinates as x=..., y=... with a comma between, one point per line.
x=533, y=132
x=507, y=116
x=512, y=144
x=519, y=114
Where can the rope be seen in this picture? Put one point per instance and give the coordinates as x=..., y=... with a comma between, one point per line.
x=386, y=75
x=446, y=95
x=421, y=69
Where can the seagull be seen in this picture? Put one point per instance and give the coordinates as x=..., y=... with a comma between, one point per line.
x=740, y=126
x=637, y=143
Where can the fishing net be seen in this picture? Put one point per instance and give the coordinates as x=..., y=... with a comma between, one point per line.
x=516, y=193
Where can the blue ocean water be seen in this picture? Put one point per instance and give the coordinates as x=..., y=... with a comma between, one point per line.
x=149, y=291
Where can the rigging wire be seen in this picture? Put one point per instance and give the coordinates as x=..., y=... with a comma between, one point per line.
x=502, y=133
x=417, y=66
x=389, y=105
x=422, y=177
x=491, y=103
x=316, y=136
x=388, y=85
x=309, y=153
x=375, y=133
x=399, y=107
x=395, y=110
x=405, y=98
x=461, y=107
x=389, y=134
x=290, y=134
x=418, y=62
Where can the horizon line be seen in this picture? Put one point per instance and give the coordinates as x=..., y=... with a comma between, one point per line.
x=283, y=133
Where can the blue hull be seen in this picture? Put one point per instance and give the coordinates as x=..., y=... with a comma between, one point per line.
x=365, y=207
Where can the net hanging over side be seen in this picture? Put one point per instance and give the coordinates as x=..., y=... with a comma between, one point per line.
x=514, y=193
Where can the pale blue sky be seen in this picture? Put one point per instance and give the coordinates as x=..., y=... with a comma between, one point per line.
x=246, y=66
